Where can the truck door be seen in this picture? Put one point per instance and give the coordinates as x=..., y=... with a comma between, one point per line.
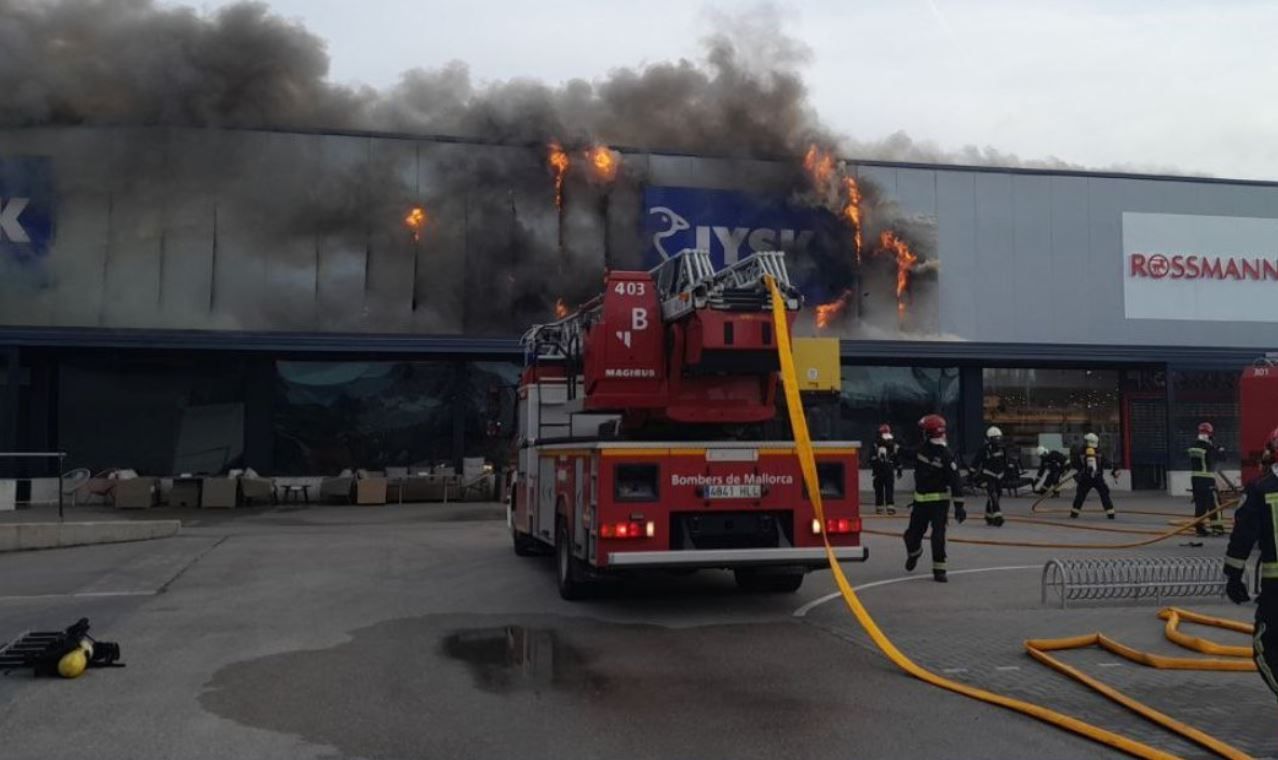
x=545, y=507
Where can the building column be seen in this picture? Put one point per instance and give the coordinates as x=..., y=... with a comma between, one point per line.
x=259, y=413
x=971, y=420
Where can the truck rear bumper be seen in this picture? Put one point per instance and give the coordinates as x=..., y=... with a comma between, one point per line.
x=812, y=558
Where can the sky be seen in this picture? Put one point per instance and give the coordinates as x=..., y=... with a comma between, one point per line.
x=1139, y=84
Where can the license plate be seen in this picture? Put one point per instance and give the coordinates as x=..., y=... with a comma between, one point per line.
x=736, y=491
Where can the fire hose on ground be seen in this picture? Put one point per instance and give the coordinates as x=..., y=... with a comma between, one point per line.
x=807, y=463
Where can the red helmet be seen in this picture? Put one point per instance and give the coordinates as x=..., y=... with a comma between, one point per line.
x=933, y=426
x=885, y=429
x=1271, y=442
x=1205, y=427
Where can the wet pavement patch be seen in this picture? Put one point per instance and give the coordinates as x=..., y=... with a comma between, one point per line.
x=477, y=686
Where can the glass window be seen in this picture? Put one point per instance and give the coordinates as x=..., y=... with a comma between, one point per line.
x=1054, y=408
x=898, y=396
x=330, y=416
x=157, y=414
x=488, y=409
x=1204, y=396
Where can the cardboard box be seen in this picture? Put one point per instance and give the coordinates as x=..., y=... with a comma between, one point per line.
x=370, y=491
x=219, y=493
x=134, y=493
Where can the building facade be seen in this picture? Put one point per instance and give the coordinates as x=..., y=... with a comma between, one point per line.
x=188, y=300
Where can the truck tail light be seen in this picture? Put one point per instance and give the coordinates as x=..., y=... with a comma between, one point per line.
x=834, y=526
x=632, y=529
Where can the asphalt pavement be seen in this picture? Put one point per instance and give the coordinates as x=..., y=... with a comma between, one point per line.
x=415, y=632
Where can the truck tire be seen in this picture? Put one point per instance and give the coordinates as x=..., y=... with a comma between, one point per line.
x=775, y=583
x=568, y=572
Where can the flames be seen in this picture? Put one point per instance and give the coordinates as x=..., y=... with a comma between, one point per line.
x=891, y=243
x=415, y=221
x=558, y=160
x=561, y=308
x=837, y=190
x=603, y=163
x=827, y=312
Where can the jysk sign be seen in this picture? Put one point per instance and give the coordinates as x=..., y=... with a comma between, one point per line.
x=27, y=204
x=1218, y=268
x=729, y=224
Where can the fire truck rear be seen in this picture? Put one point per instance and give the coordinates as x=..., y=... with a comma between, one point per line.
x=647, y=435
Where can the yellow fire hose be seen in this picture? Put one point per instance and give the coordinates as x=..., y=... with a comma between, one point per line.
x=807, y=464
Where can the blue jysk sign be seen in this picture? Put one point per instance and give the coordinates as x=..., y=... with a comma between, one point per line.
x=27, y=204
x=727, y=223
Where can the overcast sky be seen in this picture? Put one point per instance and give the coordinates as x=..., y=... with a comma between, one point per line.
x=1096, y=82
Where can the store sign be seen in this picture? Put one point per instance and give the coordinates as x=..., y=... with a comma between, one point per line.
x=1215, y=268
x=26, y=207
x=729, y=224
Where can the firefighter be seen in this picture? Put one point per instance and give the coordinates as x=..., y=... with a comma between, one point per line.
x=1257, y=521
x=886, y=467
x=1089, y=463
x=1051, y=467
x=936, y=484
x=990, y=466
x=1203, y=454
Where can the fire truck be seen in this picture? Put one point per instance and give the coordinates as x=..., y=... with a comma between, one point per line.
x=1257, y=412
x=648, y=435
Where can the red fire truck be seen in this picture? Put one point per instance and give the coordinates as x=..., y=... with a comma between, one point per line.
x=1257, y=412
x=647, y=435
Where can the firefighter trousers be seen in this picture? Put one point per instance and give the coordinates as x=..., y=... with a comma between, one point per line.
x=1265, y=642
x=1205, y=501
x=884, y=490
x=1085, y=486
x=922, y=517
x=993, y=495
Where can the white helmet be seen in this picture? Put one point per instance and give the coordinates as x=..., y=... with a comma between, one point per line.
x=1091, y=439
x=1041, y=451
x=993, y=432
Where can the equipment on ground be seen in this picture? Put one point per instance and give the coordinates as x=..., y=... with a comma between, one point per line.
x=648, y=434
x=1134, y=578
x=66, y=653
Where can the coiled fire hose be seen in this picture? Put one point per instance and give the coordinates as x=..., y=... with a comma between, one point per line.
x=807, y=464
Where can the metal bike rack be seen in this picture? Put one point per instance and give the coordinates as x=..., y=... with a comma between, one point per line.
x=1133, y=578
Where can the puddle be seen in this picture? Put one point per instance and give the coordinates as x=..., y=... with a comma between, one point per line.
x=507, y=658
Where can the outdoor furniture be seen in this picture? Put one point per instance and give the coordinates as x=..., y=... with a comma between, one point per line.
x=254, y=489
x=370, y=488
x=295, y=492
x=135, y=492
x=186, y=491
x=338, y=488
x=219, y=493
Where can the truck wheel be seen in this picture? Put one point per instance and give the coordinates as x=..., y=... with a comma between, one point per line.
x=754, y=581
x=567, y=567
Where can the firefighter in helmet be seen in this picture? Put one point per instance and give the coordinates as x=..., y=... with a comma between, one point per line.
x=885, y=465
x=1090, y=464
x=990, y=465
x=1256, y=521
x=936, y=484
x=1203, y=455
x=1051, y=467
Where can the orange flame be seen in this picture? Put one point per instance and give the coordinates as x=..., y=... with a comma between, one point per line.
x=905, y=261
x=416, y=220
x=604, y=162
x=853, y=211
x=558, y=161
x=826, y=312
x=561, y=308
x=819, y=165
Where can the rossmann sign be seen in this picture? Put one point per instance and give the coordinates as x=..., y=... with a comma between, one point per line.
x=1182, y=266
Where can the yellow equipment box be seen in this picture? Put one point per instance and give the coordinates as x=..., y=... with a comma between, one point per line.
x=817, y=362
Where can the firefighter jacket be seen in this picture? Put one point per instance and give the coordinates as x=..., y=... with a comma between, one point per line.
x=885, y=459
x=936, y=475
x=1202, y=459
x=1088, y=462
x=991, y=462
x=1052, y=460
x=1256, y=521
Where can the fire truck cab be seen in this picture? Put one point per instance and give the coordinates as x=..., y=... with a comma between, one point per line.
x=644, y=436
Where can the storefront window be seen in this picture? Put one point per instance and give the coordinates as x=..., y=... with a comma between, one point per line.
x=158, y=415
x=335, y=415
x=1204, y=396
x=1054, y=408
x=898, y=396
